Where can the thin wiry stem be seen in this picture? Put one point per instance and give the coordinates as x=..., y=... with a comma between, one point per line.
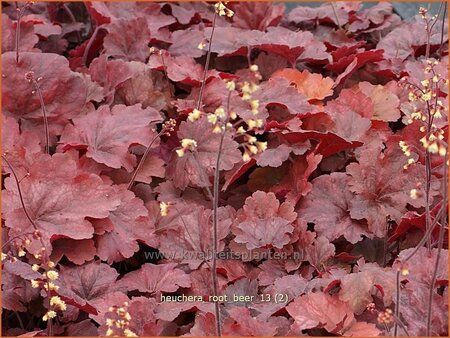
x=20, y=320
x=428, y=232
x=141, y=162
x=399, y=322
x=336, y=16
x=15, y=237
x=50, y=320
x=19, y=190
x=46, y=259
x=202, y=88
x=44, y=113
x=166, y=75
x=22, y=203
x=204, y=175
x=418, y=246
x=72, y=18
x=19, y=19
x=443, y=217
x=216, y=193
x=441, y=47
x=427, y=193
x=437, y=17
x=438, y=256
x=428, y=178
x=385, y=244
x=249, y=59
x=424, y=239
x=89, y=45
x=397, y=301
x=189, y=234
x=208, y=58
x=430, y=31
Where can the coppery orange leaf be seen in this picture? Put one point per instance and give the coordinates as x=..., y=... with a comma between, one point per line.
x=314, y=86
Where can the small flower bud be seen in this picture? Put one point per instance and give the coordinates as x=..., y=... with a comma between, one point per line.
x=246, y=157
x=231, y=85
x=194, y=115
x=240, y=130
x=164, y=208
x=262, y=146
x=414, y=194
x=49, y=314
x=217, y=129
x=52, y=275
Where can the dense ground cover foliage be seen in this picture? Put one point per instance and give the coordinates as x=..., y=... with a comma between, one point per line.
x=223, y=169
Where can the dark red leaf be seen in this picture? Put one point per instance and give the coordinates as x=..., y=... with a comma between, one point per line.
x=259, y=15
x=107, y=135
x=188, y=239
x=58, y=200
x=406, y=39
x=86, y=286
x=277, y=40
x=333, y=219
x=195, y=167
x=379, y=193
x=337, y=14
x=412, y=219
x=28, y=38
x=64, y=92
x=320, y=310
x=124, y=227
x=153, y=278
x=264, y=222
x=127, y=39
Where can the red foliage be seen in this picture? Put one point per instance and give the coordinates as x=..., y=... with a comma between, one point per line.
x=263, y=222
x=319, y=209
x=185, y=170
x=107, y=134
x=320, y=310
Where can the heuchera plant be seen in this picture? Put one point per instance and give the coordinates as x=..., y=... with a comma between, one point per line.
x=223, y=169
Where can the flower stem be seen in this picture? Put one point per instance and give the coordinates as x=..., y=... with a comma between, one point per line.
x=427, y=193
x=208, y=58
x=216, y=193
x=45, y=257
x=89, y=45
x=441, y=46
x=428, y=167
x=19, y=190
x=399, y=322
x=19, y=19
x=336, y=16
x=20, y=320
x=430, y=27
x=438, y=255
x=141, y=162
x=428, y=231
x=15, y=237
x=397, y=301
x=44, y=113
x=72, y=18
x=166, y=75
